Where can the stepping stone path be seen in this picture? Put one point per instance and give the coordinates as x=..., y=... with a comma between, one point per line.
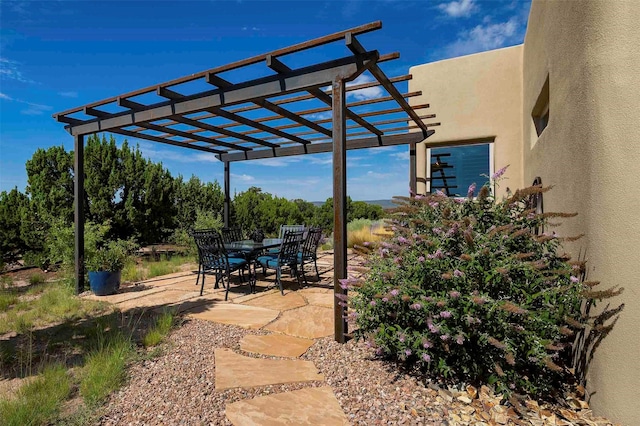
x=294, y=320
x=310, y=406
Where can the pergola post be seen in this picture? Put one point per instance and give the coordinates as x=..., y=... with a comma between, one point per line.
x=413, y=183
x=339, y=205
x=227, y=198
x=78, y=201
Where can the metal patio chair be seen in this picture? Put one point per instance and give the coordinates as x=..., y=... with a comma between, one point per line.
x=308, y=251
x=286, y=256
x=214, y=257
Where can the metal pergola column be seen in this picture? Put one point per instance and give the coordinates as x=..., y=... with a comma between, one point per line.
x=413, y=183
x=78, y=204
x=339, y=206
x=227, y=196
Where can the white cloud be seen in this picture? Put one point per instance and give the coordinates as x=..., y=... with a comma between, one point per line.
x=276, y=161
x=32, y=108
x=182, y=155
x=459, y=8
x=68, y=94
x=9, y=70
x=486, y=37
x=364, y=94
x=243, y=177
x=402, y=155
x=319, y=116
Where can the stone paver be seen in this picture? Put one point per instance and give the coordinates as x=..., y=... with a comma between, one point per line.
x=231, y=313
x=278, y=301
x=320, y=299
x=238, y=371
x=128, y=293
x=310, y=406
x=275, y=345
x=311, y=322
x=188, y=284
x=164, y=298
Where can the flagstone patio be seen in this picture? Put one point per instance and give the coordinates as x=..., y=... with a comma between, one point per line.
x=294, y=320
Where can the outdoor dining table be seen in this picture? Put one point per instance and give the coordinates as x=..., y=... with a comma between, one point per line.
x=252, y=249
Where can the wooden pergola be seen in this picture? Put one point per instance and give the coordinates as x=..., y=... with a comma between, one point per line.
x=264, y=117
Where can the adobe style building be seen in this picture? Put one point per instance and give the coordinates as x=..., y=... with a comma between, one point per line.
x=564, y=106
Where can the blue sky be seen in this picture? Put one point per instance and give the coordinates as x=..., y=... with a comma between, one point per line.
x=55, y=55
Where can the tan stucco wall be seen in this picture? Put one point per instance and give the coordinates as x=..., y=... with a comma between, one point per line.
x=475, y=97
x=590, y=152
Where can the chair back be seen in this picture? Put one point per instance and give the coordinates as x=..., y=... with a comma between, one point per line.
x=290, y=247
x=230, y=235
x=211, y=249
x=285, y=228
x=311, y=242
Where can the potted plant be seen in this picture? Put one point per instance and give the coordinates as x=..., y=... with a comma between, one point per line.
x=105, y=265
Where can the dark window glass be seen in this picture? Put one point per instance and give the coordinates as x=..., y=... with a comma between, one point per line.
x=453, y=169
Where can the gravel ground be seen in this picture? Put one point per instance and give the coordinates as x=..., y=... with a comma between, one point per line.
x=178, y=388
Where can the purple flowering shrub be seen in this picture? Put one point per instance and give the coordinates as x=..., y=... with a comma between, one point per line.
x=466, y=291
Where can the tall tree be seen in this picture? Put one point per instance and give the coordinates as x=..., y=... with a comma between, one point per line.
x=12, y=205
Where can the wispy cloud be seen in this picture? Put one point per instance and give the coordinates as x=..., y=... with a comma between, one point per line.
x=9, y=70
x=31, y=109
x=457, y=9
x=319, y=116
x=68, y=94
x=250, y=29
x=157, y=153
x=243, y=178
x=486, y=37
x=402, y=155
x=364, y=94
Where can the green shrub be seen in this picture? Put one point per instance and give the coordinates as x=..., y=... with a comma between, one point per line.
x=467, y=292
x=38, y=401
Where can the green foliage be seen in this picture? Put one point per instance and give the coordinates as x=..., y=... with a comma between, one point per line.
x=465, y=291
x=38, y=401
x=194, y=197
x=105, y=367
x=159, y=330
x=12, y=204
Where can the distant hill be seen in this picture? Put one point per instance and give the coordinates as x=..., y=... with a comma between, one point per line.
x=386, y=204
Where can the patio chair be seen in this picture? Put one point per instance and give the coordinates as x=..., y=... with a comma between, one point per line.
x=285, y=228
x=200, y=233
x=286, y=256
x=308, y=252
x=214, y=257
x=230, y=235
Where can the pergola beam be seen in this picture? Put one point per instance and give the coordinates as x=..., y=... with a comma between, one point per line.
x=302, y=79
x=281, y=68
x=201, y=127
x=167, y=141
x=282, y=112
x=317, y=148
x=354, y=45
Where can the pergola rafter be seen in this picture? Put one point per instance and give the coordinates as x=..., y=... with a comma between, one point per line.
x=247, y=120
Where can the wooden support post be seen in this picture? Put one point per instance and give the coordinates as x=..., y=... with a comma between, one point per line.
x=339, y=205
x=227, y=197
x=413, y=182
x=78, y=200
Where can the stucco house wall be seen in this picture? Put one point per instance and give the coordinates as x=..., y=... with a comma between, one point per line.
x=589, y=151
x=477, y=98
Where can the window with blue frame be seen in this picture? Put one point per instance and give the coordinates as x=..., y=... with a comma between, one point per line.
x=454, y=169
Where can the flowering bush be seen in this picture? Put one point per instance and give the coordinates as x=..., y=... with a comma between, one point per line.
x=466, y=291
